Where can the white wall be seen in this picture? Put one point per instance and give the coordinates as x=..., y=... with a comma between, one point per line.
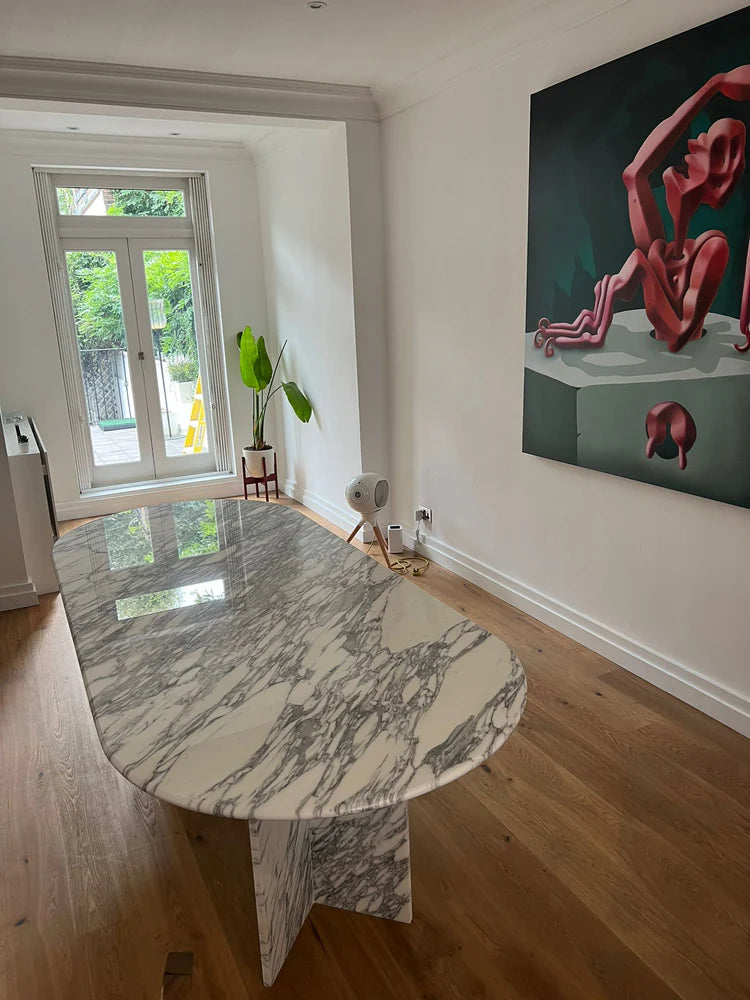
x=30, y=375
x=305, y=211
x=366, y=210
x=654, y=579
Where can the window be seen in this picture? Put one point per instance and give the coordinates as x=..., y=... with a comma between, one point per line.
x=132, y=202
x=137, y=318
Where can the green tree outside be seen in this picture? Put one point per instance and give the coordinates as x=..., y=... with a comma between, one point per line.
x=195, y=527
x=94, y=283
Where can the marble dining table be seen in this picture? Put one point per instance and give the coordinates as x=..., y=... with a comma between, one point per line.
x=243, y=661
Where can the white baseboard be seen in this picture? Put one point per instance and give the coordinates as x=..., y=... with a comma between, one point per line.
x=18, y=595
x=111, y=501
x=342, y=517
x=721, y=703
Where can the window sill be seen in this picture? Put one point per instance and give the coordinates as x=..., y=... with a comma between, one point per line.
x=111, y=499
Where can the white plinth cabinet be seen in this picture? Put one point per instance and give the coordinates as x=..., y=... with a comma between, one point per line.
x=32, y=489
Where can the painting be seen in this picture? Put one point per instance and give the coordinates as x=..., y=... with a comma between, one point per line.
x=637, y=357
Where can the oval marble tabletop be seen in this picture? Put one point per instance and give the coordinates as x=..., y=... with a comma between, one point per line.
x=242, y=660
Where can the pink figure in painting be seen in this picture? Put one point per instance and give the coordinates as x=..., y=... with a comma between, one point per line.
x=680, y=277
x=673, y=419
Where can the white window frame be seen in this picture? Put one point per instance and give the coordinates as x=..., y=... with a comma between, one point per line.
x=124, y=225
x=195, y=226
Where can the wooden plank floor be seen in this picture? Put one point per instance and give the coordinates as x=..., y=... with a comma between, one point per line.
x=603, y=853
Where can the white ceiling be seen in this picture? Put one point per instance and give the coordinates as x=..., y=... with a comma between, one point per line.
x=373, y=43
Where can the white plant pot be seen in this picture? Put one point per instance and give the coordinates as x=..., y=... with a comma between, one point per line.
x=186, y=392
x=254, y=463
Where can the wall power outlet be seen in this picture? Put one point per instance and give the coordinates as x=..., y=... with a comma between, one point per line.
x=423, y=514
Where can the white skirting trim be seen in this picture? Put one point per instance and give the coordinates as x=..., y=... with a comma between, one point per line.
x=729, y=707
x=18, y=595
x=342, y=517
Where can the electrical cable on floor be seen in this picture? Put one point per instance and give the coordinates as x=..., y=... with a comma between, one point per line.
x=403, y=565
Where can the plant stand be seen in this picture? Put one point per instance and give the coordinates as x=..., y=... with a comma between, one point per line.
x=266, y=478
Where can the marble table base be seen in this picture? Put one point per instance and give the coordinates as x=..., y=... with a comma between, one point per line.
x=358, y=862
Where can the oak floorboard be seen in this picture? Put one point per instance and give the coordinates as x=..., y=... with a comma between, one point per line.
x=545, y=936
x=682, y=733
x=600, y=855
x=678, y=903
x=687, y=812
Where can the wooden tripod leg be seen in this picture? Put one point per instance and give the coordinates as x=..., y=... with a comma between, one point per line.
x=381, y=543
x=355, y=531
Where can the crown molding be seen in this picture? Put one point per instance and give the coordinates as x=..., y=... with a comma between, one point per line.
x=525, y=25
x=269, y=148
x=69, y=81
x=521, y=27
x=271, y=145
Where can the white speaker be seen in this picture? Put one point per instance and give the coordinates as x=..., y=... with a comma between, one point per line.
x=367, y=493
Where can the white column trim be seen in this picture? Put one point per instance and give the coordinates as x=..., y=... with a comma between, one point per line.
x=218, y=389
x=65, y=326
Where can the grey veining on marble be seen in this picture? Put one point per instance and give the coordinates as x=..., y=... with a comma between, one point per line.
x=282, y=872
x=242, y=660
x=361, y=862
x=358, y=863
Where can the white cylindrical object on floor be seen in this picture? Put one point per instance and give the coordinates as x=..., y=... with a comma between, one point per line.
x=395, y=539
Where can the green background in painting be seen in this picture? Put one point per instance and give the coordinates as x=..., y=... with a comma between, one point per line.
x=585, y=131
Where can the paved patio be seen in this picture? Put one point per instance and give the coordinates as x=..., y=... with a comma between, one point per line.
x=111, y=447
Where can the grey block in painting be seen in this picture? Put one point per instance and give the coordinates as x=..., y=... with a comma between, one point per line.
x=588, y=407
x=545, y=435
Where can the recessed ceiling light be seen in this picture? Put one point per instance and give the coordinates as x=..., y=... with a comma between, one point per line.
x=316, y=4
x=175, y=133
x=73, y=128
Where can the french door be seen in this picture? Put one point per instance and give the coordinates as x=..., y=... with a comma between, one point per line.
x=141, y=357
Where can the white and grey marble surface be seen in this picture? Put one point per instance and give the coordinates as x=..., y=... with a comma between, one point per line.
x=242, y=660
x=359, y=863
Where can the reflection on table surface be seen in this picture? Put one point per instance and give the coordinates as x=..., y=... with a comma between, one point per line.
x=169, y=600
x=132, y=552
x=129, y=541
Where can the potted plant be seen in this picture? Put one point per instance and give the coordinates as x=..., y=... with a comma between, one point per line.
x=258, y=374
x=184, y=373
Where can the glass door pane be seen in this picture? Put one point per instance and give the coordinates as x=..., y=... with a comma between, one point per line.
x=164, y=281
x=117, y=422
x=172, y=316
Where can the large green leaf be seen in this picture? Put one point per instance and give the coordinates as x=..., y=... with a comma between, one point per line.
x=262, y=364
x=299, y=401
x=248, y=358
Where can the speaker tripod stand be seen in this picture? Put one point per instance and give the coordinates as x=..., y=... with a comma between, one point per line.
x=378, y=535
